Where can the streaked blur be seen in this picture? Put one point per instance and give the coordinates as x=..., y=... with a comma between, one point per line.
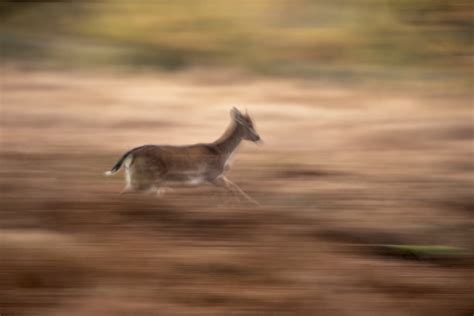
x=365, y=176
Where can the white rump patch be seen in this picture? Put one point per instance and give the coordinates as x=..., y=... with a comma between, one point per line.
x=128, y=171
x=128, y=161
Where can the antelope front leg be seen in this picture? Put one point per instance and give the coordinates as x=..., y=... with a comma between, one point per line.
x=231, y=186
x=219, y=182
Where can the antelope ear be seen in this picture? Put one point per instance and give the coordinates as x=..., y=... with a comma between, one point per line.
x=235, y=114
x=247, y=113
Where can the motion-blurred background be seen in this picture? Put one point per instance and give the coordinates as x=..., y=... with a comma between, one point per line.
x=343, y=40
x=365, y=178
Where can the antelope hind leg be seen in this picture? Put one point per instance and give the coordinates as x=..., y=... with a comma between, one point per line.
x=126, y=190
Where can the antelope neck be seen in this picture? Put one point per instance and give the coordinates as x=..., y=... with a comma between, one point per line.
x=230, y=140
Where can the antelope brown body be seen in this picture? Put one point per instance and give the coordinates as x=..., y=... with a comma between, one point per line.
x=153, y=167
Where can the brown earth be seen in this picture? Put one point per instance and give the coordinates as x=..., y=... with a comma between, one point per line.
x=342, y=171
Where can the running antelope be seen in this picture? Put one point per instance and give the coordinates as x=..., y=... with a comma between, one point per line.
x=154, y=167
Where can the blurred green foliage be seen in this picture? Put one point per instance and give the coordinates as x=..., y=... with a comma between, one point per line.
x=440, y=254
x=289, y=37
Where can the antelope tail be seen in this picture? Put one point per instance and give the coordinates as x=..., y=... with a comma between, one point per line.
x=118, y=165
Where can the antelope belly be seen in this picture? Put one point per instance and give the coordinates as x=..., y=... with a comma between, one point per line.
x=184, y=181
x=195, y=180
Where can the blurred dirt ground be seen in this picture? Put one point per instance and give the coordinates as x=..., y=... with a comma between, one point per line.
x=344, y=171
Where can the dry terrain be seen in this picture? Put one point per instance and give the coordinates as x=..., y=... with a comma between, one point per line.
x=366, y=198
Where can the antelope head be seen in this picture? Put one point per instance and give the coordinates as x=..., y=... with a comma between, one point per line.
x=246, y=125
